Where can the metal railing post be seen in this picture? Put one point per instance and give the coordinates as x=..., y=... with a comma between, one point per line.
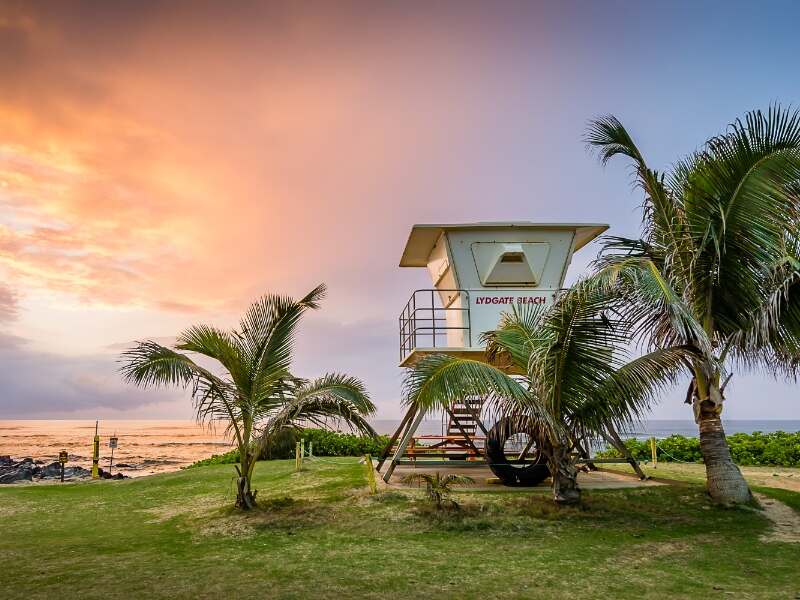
x=402, y=348
x=413, y=327
x=469, y=322
x=414, y=320
x=433, y=320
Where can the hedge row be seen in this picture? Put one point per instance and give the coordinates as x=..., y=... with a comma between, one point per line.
x=324, y=443
x=778, y=449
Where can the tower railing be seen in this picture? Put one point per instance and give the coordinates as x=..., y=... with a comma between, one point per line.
x=426, y=323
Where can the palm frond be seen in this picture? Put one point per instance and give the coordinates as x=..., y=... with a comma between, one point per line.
x=337, y=386
x=268, y=330
x=662, y=220
x=453, y=479
x=217, y=344
x=332, y=397
x=517, y=336
x=610, y=138
x=772, y=342
x=418, y=478
x=629, y=392
x=438, y=381
x=740, y=198
x=148, y=364
x=647, y=302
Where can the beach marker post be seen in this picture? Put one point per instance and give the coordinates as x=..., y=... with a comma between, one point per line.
x=96, y=452
x=653, y=451
x=373, y=485
x=62, y=458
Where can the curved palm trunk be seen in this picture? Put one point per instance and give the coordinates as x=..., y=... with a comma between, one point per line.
x=564, y=474
x=726, y=484
x=245, y=497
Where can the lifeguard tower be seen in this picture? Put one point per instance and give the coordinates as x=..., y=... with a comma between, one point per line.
x=478, y=271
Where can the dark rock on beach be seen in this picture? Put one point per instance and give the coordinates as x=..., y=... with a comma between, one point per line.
x=12, y=471
x=14, y=474
x=107, y=475
x=51, y=470
x=77, y=473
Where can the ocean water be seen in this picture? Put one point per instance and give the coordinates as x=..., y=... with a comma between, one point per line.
x=147, y=447
x=144, y=447
x=659, y=428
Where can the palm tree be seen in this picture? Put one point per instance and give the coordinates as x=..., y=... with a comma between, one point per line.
x=438, y=487
x=253, y=390
x=560, y=373
x=717, y=267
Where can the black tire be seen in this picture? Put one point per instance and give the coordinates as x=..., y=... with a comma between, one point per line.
x=513, y=473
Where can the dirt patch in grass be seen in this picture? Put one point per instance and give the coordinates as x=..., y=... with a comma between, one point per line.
x=787, y=478
x=641, y=554
x=785, y=521
x=7, y=510
x=278, y=514
x=194, y=507
x=779, y=477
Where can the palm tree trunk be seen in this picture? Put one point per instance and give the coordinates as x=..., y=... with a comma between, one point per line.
x=245, y=497
x=725, y=482
x=564, y=474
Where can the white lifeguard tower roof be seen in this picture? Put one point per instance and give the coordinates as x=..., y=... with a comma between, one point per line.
x=423, y=237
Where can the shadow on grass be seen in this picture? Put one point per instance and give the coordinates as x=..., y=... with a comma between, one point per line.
x=632, y=513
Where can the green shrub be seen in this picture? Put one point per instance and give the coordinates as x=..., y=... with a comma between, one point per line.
x=777, y=449
x=324, y=443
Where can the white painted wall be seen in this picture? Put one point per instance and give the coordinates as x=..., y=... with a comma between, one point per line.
x=452, y=265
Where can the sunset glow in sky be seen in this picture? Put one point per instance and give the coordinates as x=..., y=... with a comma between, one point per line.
x=163, y=164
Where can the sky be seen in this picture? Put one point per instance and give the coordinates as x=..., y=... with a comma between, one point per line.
x=165, y=163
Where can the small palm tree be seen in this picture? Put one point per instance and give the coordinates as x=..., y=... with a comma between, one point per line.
x=571, y=378
x=252, y=390
x=438, y=487
x=717, y=267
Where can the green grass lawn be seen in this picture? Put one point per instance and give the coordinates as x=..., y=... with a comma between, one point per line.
x=319, y=534
x=768, y=480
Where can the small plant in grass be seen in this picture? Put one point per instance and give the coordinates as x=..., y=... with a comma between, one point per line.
x=439, y=487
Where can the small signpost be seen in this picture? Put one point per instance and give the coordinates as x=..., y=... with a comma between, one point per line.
x=112, y=443
x=62, y=458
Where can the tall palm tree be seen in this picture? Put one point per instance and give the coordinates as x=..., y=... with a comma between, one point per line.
x=560, y=372
x=717, y=267
x=252, y=388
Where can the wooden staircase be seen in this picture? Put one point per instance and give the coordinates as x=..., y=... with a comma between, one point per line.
x=462, y=441
x=462, y=418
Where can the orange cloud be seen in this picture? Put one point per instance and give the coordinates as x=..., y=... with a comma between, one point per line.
x=163, y=163
x=172, y=158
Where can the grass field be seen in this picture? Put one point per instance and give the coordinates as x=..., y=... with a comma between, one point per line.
x=319, y=534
